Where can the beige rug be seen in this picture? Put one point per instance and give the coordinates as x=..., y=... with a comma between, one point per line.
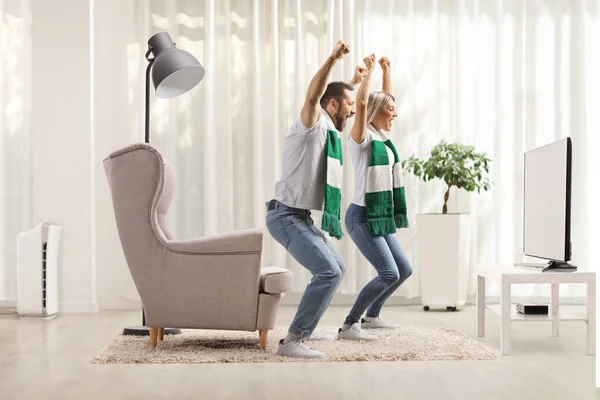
x=409, y=343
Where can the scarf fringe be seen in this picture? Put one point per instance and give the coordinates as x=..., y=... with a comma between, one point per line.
x=401, y=220
x=382, y=226
x=332, y=225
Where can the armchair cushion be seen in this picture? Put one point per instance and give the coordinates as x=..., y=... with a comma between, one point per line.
x=275, y=280
x=237, y=242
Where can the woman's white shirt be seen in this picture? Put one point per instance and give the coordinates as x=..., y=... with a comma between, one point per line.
x=360, y=155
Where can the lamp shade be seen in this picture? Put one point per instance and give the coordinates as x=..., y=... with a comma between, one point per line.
x=174, y=71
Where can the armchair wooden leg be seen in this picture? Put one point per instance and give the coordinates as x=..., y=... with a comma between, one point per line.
x=153, y=336
x=161, y=334
x=263, y=339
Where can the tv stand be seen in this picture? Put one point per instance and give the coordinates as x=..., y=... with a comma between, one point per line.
x=559, y=266
x=507, y=275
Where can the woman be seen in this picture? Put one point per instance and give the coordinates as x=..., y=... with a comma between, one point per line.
x=379, y=206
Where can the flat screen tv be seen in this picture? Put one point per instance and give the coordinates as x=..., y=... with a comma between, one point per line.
x=547, y=204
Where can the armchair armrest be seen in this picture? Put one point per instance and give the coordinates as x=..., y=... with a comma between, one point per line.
x=247, y=241
x=275, y=280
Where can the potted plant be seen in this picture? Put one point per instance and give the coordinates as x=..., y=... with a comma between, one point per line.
x=443, y=239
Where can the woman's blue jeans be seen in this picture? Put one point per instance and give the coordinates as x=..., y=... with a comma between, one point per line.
x=388, y=258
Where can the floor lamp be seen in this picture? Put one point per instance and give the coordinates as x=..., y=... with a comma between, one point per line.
x=174, y=72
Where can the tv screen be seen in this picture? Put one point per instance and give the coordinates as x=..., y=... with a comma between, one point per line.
x=547, y=201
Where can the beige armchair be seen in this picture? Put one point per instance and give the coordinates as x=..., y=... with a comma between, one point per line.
x=214, y=282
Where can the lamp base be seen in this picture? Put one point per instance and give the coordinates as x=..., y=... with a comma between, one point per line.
x=145, y=331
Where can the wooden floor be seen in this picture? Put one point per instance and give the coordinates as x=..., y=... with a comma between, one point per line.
x=51, y=360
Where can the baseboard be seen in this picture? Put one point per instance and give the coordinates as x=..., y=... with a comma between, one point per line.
x=78, y=308
x=8, y=306
x=120, y=305
x=8, y=303
x=340, y=299
x=67, y=308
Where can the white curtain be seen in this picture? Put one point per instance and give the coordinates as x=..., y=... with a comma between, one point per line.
x=15, y=84
x=506, y=76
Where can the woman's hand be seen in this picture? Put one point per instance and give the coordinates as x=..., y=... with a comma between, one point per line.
x=359, y=129
x=385, y=64
x=370, y=62
x=387, y=75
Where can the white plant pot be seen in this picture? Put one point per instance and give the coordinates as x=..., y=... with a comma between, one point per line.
x=443, y=245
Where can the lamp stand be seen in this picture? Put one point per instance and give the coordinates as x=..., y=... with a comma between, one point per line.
x=147, y=126
x=143, y=329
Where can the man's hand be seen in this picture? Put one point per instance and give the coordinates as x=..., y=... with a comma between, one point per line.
x=340, y=50
x=370, y=62
x=385, y=64
x=359, y=75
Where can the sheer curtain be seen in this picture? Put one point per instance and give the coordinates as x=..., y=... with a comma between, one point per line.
x=15, y=196
x=505, y=76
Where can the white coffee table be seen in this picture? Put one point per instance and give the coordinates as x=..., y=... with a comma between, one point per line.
x=506, y=275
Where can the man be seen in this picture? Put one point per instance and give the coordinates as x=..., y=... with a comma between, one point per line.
x=311, y=180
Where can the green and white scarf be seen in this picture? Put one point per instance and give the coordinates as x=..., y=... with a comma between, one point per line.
x=333, y=187
x=384, y=198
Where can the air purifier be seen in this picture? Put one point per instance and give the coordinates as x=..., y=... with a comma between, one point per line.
x=37, y=271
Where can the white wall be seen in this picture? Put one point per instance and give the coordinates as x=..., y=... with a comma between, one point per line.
x=115, y=288
x=76, y=123
x=62, y=145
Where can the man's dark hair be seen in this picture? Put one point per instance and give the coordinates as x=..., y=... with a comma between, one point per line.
x=335, y=90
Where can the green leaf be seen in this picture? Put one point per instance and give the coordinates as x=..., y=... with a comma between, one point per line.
x=454, y=163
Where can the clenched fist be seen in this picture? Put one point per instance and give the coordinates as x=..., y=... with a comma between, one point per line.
x=359, y=74
x=340, y=50
x=385, y=63
x=370, y=62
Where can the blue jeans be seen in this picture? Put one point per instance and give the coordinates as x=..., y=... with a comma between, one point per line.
x=294, y=229
x=385, y=254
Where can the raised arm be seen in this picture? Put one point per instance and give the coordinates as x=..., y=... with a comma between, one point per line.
x=359, y=129
x=387, y=75
x=310, y=111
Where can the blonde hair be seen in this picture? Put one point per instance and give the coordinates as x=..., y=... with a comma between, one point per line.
x=377, y=103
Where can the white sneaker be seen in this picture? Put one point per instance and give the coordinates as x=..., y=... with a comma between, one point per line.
x=297, y=349
x=355, y=333
x=376, y=323
x=320, y=336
